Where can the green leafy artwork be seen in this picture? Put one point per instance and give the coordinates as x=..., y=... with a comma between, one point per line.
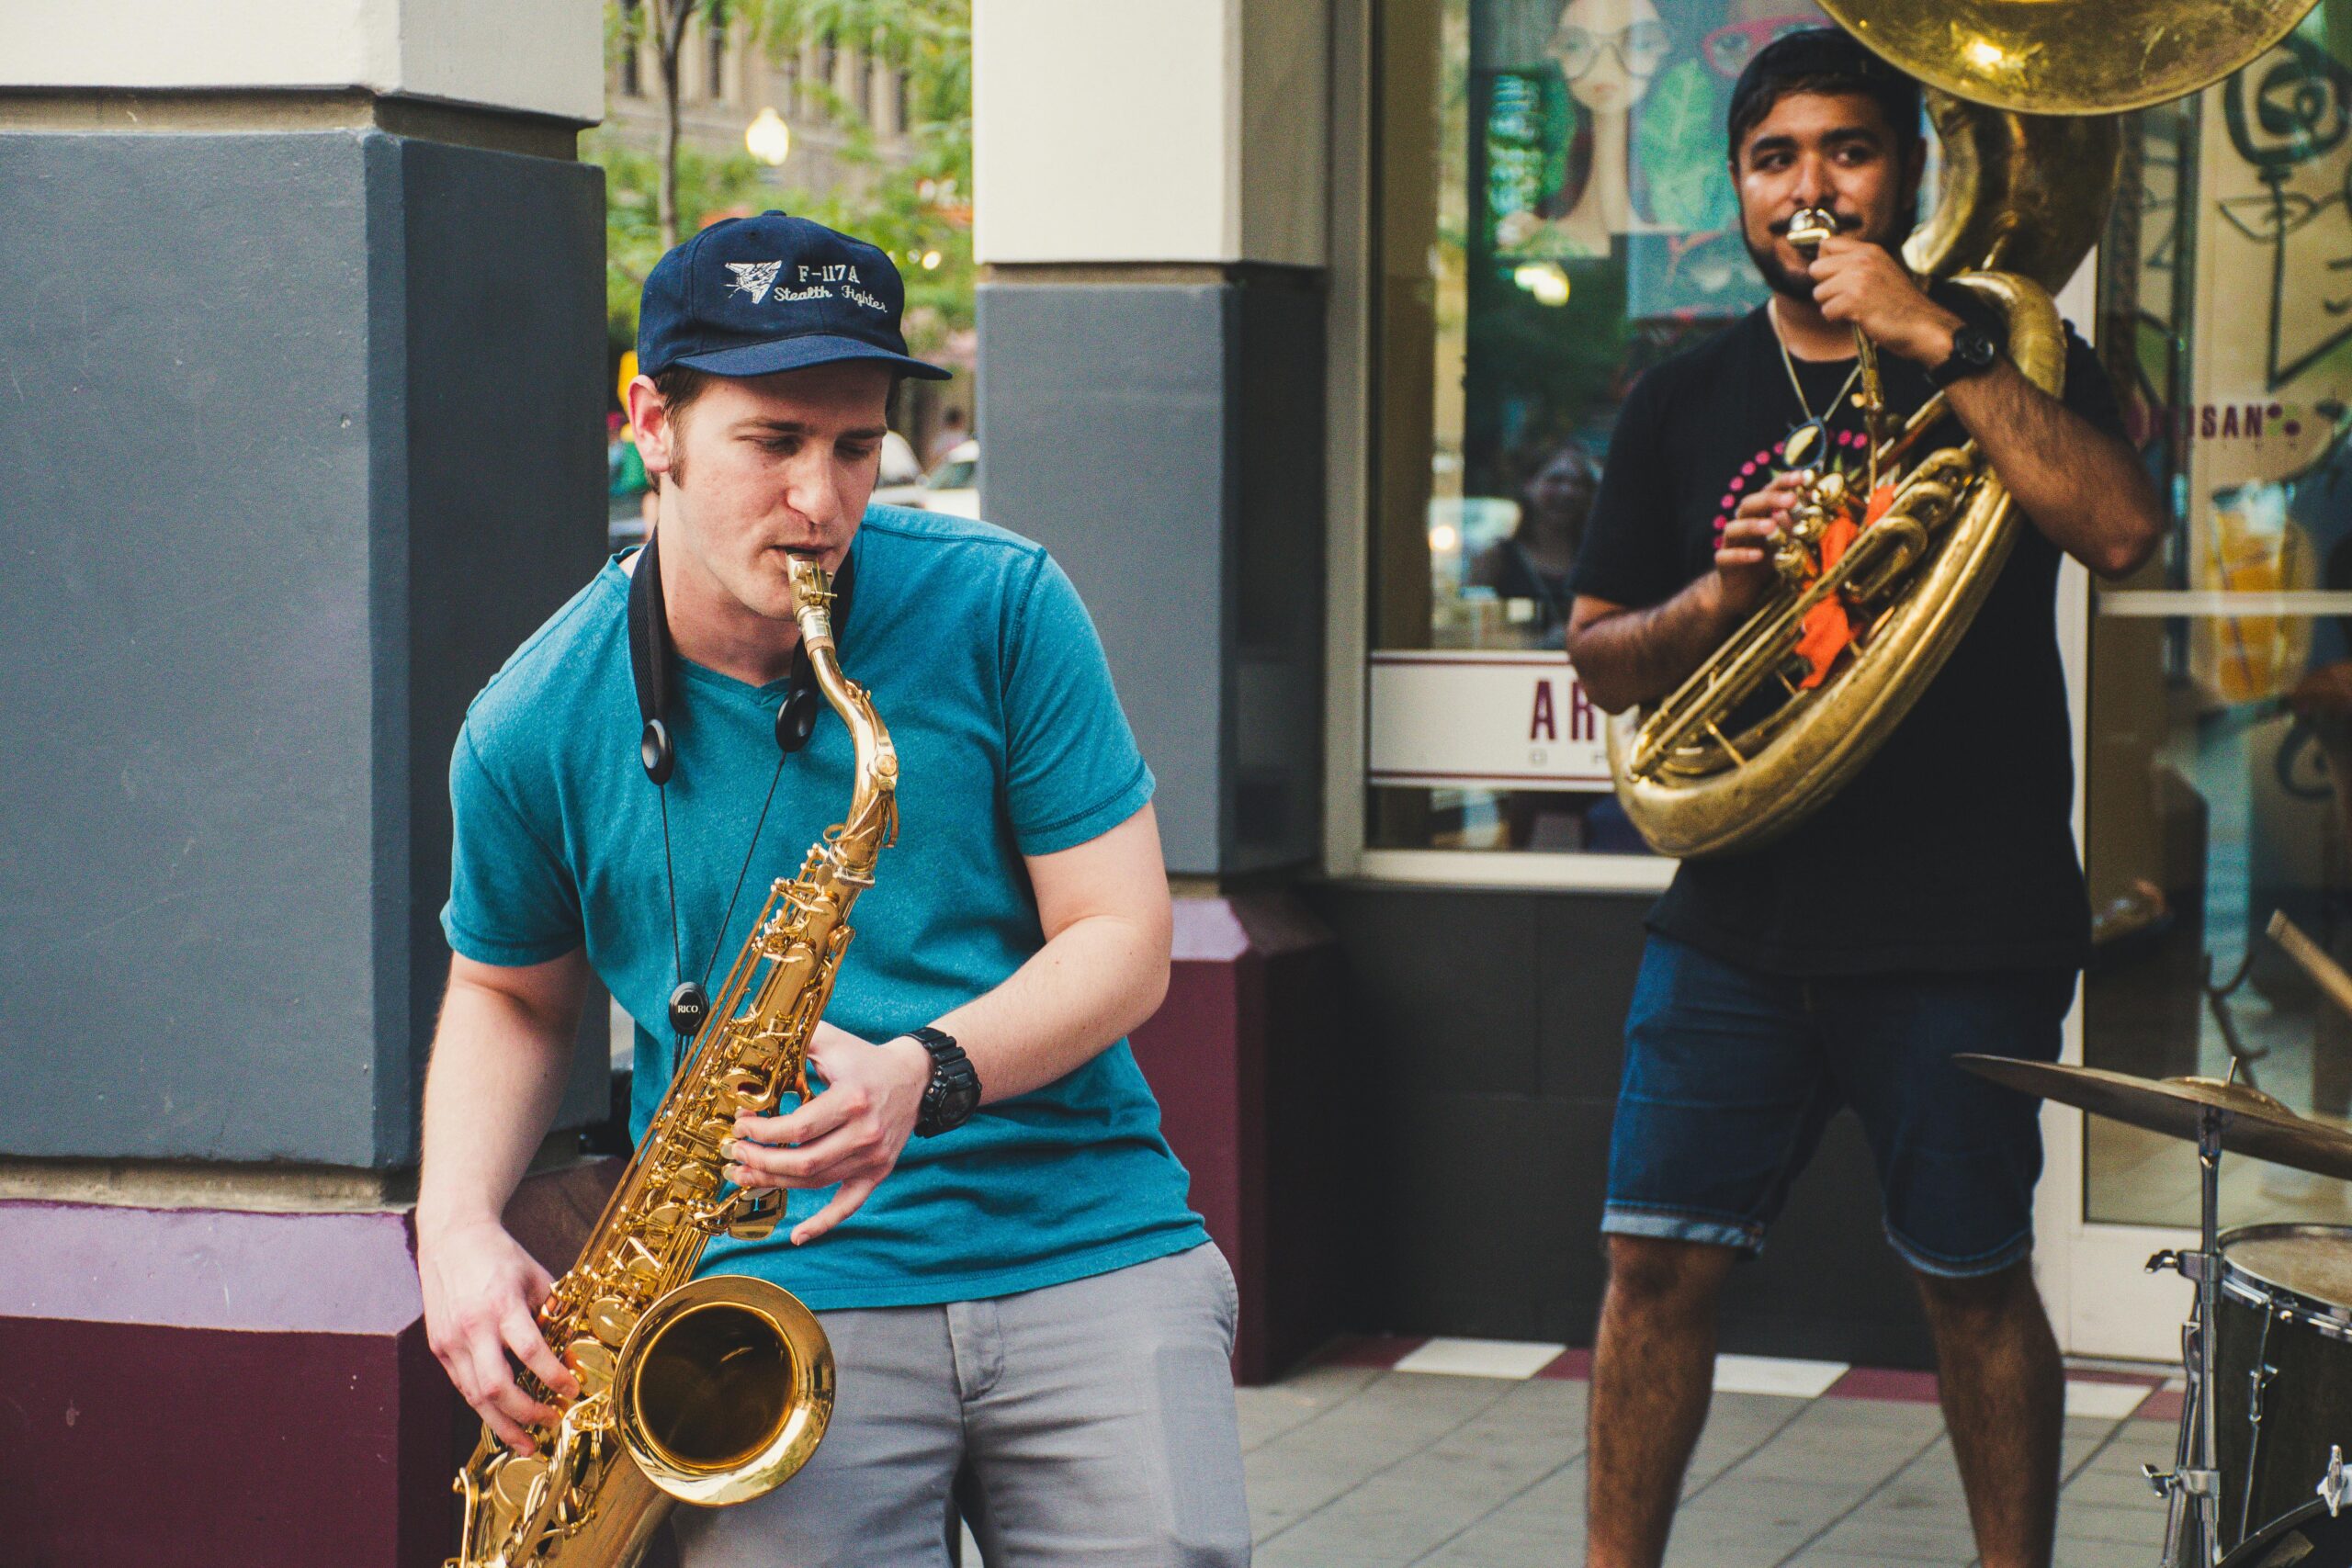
x=1680, y=146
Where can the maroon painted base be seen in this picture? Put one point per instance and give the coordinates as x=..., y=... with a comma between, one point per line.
x=202, y=1387
x=1242, y=1055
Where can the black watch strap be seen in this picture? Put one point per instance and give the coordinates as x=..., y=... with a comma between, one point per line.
x=954, y=1093
x=1972, y=353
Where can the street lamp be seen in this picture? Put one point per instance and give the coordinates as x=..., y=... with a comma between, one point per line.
x=768, y=138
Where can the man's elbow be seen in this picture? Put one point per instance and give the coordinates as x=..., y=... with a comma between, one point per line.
x=1600, y=684
x=1150, y=966
x=1153, y=992
x=2125, y=547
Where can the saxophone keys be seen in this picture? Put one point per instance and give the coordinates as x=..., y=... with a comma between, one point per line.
x=664, y=1218
x=745, y=1086
x=610, y=1319
x=592, y=1362
x=754, y=1217
x=516, y=1477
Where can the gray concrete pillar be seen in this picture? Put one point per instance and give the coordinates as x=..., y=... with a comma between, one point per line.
x=1150, y=207
x=301, y=376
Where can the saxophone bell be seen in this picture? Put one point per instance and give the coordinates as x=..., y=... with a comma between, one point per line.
x=724, y=1389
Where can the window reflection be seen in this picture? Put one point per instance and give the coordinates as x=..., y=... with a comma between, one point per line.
x=2220, y=728
x=1583, y=226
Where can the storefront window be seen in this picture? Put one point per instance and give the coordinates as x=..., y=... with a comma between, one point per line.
x=2220, y=728
x=1579, y=225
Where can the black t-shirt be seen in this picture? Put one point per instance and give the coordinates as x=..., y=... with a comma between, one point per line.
x=1953, y=848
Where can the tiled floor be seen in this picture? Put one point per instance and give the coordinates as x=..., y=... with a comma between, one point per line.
x=1478, y=1462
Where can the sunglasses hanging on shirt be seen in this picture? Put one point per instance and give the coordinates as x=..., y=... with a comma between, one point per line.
x=652, y=663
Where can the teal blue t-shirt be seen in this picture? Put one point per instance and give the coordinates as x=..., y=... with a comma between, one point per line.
x=992, y=681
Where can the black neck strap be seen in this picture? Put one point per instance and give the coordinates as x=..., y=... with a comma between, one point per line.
x=650, y=663
x=652, y=666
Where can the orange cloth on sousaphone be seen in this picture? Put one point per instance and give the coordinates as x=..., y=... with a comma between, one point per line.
x=1828, y=631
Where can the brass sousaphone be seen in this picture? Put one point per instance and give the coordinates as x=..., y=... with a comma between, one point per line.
x=2027, y=98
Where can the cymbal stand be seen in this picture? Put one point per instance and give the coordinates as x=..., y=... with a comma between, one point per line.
x=2192, y=1490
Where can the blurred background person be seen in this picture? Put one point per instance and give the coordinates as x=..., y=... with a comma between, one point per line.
x=1532, y=561
x=952, y=433
x=629, y=494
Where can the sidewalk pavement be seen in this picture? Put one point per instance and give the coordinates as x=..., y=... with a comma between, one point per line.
x=1470, y=1454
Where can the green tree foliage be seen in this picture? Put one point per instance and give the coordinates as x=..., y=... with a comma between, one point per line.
x=915, y=205
x=706, y=186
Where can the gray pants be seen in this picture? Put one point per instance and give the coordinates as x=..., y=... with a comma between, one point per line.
x=1092, y=1423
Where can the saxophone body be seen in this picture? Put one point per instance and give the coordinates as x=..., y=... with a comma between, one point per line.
x=718, y=1390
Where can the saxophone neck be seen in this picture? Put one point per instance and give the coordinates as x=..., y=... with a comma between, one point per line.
x=872, y=819
x=812, y=603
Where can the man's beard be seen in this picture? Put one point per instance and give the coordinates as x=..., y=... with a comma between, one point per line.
x=1779, y=279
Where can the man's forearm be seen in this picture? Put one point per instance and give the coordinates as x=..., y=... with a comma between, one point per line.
x=497, y=1074
x=1094, y=981
x=1624, y=656
x=2080, y=485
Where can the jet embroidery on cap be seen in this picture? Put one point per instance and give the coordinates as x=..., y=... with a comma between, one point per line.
x=755, y=278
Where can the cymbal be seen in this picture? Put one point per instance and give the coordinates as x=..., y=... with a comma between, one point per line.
x=2253, y=1123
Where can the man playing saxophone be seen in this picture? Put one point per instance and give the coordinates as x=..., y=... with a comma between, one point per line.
x=1024, y=1315
x=1935, y=906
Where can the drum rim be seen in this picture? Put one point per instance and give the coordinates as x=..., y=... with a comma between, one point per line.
x=2333, y=1316
x=2253, y=1547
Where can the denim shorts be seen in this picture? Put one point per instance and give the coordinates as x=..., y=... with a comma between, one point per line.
x=1731, y=1076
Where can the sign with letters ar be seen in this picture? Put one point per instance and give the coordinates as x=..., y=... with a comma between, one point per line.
x=1479, y=719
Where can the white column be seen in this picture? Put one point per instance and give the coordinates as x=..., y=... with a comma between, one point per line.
x=531, y=56
x=1149, y=131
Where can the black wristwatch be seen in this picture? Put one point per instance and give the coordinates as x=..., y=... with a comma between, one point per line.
x=954, y=1093
x=1972, y=353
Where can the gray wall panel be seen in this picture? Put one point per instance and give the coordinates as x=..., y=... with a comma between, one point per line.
x=1277, y=554
x=505, y=297
x=1165, y=441
x=1486, y=1030
x=1103, y=421
x=234, y=666
x=185, y=881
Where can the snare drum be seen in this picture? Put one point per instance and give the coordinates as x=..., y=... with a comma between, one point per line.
x=2283, y=1349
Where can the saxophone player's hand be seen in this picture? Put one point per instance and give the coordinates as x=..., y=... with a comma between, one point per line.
x=850, y=1133
x=480, y=1290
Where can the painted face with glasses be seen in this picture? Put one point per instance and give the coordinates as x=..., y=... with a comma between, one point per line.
x=1608, y=50
x=1729, y=48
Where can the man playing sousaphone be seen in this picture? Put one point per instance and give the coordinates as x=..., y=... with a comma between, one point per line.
x=1936, y=906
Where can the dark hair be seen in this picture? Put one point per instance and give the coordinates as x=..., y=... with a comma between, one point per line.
x=680, y=385
x=1827, y=60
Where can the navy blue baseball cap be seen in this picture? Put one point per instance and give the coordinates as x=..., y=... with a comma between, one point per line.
x=749, y=296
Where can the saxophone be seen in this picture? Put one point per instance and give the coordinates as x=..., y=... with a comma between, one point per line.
x=717, y=1390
